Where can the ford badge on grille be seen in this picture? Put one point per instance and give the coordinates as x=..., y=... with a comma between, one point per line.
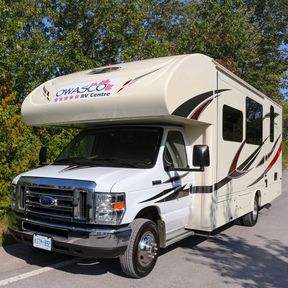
x=47, y=201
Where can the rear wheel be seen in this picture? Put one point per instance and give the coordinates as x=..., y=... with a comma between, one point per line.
x=142, y=251
x=251, y=218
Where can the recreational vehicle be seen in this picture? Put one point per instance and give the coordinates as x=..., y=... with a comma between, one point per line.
x=167, y=148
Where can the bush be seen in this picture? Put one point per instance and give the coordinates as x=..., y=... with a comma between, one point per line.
x=20, y=145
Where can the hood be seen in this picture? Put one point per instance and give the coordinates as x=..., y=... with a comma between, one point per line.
x=104, y=177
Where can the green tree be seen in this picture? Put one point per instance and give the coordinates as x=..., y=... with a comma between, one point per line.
x=222, y=30
x=18, y=145
x=47, y=38
x=266, y=70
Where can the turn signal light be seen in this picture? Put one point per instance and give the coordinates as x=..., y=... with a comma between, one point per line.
x=119, y=205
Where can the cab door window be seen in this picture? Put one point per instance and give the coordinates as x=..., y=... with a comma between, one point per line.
x=175, y=152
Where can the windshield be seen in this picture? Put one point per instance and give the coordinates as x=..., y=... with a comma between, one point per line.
x=131, y=147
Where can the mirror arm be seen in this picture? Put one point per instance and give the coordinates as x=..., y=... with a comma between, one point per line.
x=201, y=169
x=43, y=155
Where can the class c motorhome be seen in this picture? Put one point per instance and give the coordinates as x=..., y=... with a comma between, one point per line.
x=168, y=147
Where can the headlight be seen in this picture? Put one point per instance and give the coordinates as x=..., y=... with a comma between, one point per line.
x=14, y=189
x=109, y=208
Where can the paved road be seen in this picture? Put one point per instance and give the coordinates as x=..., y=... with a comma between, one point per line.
x=236, y=257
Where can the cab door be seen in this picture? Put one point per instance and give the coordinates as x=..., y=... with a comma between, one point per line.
x=177, y=184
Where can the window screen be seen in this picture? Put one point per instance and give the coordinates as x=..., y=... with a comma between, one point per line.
x=254, y=122
x=232, y=124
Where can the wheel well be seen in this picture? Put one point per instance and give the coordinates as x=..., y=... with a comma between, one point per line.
x=150, y=213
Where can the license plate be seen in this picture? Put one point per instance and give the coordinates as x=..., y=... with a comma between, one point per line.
x=42, y=242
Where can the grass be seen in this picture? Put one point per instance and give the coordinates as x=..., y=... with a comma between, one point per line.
x=5, y=237
x=3, y=229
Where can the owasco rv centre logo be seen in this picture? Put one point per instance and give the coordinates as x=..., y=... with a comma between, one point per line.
x=85, y=90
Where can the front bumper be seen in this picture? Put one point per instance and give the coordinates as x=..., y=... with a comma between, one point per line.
x=81, y=242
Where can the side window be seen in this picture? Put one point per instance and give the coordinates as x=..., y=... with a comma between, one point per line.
x=254, y=122
x=272, y=124
x=232, y=124
x=175, y=152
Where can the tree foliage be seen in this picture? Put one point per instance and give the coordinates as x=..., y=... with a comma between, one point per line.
x=18, y=145
x=47, y=38
x=42, y=39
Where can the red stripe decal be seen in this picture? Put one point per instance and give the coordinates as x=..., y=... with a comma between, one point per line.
x=274, y=158
x=124, y=85
x=269, y=166
x=235, y=160
x=197, y=113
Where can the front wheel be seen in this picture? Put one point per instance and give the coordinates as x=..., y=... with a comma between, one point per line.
x=142, y=251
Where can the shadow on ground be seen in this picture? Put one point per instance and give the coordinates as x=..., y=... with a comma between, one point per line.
x=240, y=262
x=234, y=259
x=42, y=258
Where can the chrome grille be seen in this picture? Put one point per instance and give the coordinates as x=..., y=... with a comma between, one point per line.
x=72, y=199
x=64, y=202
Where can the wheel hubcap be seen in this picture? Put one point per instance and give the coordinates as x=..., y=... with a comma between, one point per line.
x=147, y=249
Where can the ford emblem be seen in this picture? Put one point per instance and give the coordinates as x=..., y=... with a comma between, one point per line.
x=47, y=201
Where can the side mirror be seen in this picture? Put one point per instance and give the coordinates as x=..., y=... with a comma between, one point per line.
x=201, y=156
x=43, y=155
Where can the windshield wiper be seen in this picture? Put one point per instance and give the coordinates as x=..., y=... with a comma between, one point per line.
x=121, y=162
x=72, y=161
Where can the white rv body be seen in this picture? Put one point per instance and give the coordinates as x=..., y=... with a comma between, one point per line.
x=190, y=94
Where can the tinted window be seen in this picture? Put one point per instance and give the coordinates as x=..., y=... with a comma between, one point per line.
x=232, y=124
x=272, y=123
x=254, y=114
x=114, y=147
x=175, y=152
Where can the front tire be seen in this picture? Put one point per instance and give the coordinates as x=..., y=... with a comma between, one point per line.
x=142, y=251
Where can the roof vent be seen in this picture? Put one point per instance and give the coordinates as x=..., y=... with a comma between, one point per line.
x=103, y=70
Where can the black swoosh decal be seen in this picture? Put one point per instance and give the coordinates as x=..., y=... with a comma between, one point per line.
x=160, y=194
x=268, y=115
x=262, y=161
x=221, y=183
x=202, y=189
x=237, y=172
x=75, y=167
x=233, y=166
x=269, y=166
x=185, y=109
x=139, y=77
x=248, y=162
x=131, y=81
x=175, y=178
x=274, y=146
x=199, y=110
x=46, y=93
x=178, y=193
